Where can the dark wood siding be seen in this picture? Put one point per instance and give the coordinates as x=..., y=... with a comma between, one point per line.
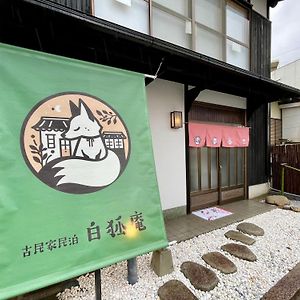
x=258, y=157
x=205, y=112
x=260, y=37
x=257, y=108
x=81, y=5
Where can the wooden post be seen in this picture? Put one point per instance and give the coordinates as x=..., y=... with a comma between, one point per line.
x=282, y=180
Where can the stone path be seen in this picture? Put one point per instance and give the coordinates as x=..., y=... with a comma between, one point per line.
x=287, y=288
x=220, y=262
x=175, y=290
x=200, y=277
x=239, y=251
x=240, y=237
x=251, y=229
x=205, y=279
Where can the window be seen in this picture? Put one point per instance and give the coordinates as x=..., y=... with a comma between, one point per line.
x=65, y=144
x=50, y=141
x=119, y=143
x=217, y=28
x=171, y=21
x=134, y=16
x=237, y=41
x=109, y=143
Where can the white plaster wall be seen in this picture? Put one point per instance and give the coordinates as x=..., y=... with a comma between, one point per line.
x=168, y=144
x=260, y=6
x=275, y=110
x=258, y=190
x=288, y=74
x=291, y=123
x=213, y=97
x=134, y=17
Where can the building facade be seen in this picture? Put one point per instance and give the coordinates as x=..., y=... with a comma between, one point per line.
x=286, y=113
x=210, y=60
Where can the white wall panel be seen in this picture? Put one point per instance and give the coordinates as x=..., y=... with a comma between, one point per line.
x=168, y=144
x=260, y=6
x=291, y=124
x=134, y=17
x=213, y=97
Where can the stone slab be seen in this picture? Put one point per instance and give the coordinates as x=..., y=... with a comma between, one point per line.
x=200, y=277
x=239, y=251
x=295, y=208
x=287, y=288
x=250, y=228
x=220, y=262
x=238, y=236
x=162, y=262
x=175, y=290
x=277, y=200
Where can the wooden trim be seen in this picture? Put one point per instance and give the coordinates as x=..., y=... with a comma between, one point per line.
x=196, y=193
x=209, y=167
x=217, y=106
x=199, y=168
x=92, y=9
x=236, y=166
x=228, y=165
x=229, y=188
x=150, y=16
x=240, y=4
x=219, y=176
x=187, y=152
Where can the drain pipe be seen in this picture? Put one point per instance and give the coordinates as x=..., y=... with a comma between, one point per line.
x=132, y=271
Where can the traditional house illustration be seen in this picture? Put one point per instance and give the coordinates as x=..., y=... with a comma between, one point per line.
x=115, y=142
x=51, y=132
x=54, y=145
x=209, y=60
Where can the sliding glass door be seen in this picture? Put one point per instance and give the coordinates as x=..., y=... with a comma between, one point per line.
x=217, y=175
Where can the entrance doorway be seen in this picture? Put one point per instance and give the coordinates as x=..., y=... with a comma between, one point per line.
x=216, y=175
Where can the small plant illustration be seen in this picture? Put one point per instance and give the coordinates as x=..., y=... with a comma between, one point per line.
x=37, y=150
x=108, y=117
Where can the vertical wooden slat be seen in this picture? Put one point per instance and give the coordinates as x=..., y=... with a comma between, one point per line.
x=228, y=165
x=209, y=167
x=219, y=176
x=199, y=168
x=236, y=165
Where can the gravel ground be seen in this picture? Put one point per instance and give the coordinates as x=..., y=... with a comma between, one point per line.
x=277, y=252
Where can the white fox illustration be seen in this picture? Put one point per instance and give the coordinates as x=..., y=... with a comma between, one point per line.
x=91, y=163
x=85, y=128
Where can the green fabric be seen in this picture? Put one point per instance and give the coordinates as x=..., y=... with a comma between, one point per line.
x=32, y=212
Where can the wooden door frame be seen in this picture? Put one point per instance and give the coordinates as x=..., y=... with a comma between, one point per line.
x=188, y=105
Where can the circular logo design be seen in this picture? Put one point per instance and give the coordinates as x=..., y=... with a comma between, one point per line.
x=197, y=140
x=229, y=141
x=75, y=143
x=215, y=141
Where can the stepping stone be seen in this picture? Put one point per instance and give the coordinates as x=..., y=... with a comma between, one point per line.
x=239, y=251
x=295, y=208
x=277, y=200
x=251, y=229
x=200, y=277
x=220, y=262
x=175, y=290
x=238, y=236
x=287, y=288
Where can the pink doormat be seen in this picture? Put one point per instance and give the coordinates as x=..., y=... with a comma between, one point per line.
x=211, y=213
